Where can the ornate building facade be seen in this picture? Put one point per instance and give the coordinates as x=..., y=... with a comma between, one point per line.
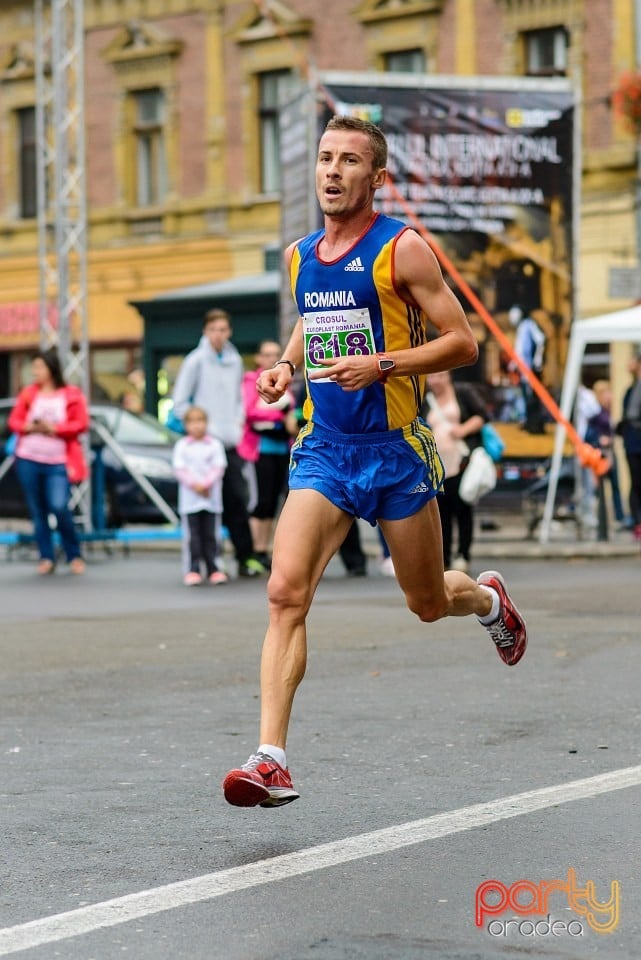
x=183, y=166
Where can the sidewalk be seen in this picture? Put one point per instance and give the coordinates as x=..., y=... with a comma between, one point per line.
x=508, y=539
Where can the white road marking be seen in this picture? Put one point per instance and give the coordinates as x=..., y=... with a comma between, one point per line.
x=85, y=920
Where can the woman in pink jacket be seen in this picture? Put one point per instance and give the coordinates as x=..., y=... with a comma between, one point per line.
x=48, y=418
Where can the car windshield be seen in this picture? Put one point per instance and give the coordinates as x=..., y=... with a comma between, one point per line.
x=127, y=427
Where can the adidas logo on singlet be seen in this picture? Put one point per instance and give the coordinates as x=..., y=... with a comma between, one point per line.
x=355, y=265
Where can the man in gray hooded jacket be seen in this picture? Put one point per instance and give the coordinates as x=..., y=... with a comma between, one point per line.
x=211, y=377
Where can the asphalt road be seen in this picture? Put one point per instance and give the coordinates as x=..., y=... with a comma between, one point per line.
x=126, y=697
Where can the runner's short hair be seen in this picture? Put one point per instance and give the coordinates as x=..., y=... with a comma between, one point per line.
x=377, y=139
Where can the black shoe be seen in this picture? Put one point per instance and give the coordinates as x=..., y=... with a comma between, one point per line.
x=264, y=559
x=357, y=571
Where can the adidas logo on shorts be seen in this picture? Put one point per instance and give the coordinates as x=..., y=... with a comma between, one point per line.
x=421, y=487
x=355, y=265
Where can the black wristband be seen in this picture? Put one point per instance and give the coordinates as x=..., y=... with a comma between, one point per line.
x=289, y=364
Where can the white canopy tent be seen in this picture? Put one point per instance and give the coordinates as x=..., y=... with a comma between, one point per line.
x=623, y=325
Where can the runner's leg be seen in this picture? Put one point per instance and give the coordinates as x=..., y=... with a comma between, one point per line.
x=309, y=531
x=417, y=552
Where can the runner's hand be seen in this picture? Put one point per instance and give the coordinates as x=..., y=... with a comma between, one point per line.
x=272, y=383
x=350, y=373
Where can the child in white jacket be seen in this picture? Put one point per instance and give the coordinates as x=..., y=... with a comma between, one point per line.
x=199, y=463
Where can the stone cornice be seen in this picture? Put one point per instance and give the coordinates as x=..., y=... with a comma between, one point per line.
x=141, y=41
x=372, y=11
x=256, y=26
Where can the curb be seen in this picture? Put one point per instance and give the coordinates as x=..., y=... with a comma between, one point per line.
x=527, y=550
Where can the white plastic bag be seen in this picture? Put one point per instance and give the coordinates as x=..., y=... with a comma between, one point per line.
x=479, y=476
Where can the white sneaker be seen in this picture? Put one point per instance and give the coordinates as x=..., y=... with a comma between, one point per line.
x=387, y=567
x=460, y=563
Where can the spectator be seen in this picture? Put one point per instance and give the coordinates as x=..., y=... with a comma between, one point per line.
x=529, y=346
x=266, y=443
x=455, y=412
x=211, y=377
x=130, y=400
x=600, y=434
x=630, y=429
x=49, y=416
x=199, y=464
x=586, y=406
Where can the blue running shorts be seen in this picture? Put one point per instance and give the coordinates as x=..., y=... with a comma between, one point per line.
x=376, y=476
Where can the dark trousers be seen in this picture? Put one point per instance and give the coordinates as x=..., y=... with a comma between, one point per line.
x=452, y=509
x=634, y=466
x=271, y=480
x=612, y=477
x=202, y=541
x=351, y=551
x=235, y=516
x=534, y=412
x=383, y=543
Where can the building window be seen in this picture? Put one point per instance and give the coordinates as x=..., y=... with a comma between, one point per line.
x=274, y=88
x=405, y=61
x=149, y=132
x=27, y=162
x=546, y=52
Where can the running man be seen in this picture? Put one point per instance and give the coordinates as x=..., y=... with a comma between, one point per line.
x=365, y=286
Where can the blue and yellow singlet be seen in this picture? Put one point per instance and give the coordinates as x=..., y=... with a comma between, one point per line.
x=351, y=306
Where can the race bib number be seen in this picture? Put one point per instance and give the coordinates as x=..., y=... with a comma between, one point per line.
x=330, y=335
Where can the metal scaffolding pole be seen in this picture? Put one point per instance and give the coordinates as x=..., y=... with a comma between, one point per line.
x=61, y=179
x=61, y=190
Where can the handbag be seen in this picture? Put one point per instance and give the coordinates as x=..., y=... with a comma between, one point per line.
x=479, y=476
x=492, y=441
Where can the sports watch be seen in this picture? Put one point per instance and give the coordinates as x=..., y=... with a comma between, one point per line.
x=385, y=366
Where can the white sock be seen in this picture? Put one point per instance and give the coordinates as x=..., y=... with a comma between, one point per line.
x=276, y=753
x=496, y=606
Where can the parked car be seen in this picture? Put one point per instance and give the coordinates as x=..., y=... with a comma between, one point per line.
x=148, y=446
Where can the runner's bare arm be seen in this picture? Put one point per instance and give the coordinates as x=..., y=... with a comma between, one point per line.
x=419, y=281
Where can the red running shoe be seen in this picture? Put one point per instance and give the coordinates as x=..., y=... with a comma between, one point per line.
x=508, y=631
x=259, y=782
